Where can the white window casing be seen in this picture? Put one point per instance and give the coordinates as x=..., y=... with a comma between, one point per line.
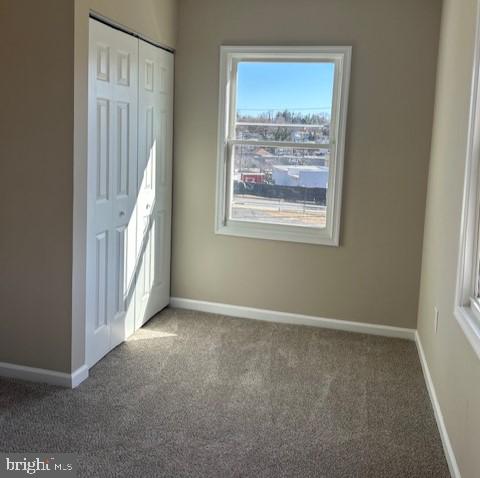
x=230, y=56
x=467, y=297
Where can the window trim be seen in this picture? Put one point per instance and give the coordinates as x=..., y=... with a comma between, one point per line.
x=229, y=56
x=467, y=303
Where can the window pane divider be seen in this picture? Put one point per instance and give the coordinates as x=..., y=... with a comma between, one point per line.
x=280, y=144
x=280, y=125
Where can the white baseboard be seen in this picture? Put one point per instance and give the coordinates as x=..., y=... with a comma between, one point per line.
x=52, y=377
x=289, y=318
x=447, y=446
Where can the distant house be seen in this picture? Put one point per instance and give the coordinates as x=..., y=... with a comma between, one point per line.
x=304, y=176
x=262, y=153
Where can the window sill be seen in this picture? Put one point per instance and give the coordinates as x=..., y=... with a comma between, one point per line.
x=277, y=232
x=470, y=325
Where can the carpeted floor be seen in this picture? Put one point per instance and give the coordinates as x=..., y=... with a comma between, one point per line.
x=200, y=395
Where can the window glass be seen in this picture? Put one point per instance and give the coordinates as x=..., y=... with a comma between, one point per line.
x=286, y=102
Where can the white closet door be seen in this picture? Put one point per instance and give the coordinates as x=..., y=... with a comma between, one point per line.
x=112, y=188
x=155, y=121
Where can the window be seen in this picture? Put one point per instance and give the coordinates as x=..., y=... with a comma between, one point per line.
x=281, y=142
x=467, y=299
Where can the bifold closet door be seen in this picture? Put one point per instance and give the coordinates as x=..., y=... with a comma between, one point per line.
x=155, y=123
x=129, y=186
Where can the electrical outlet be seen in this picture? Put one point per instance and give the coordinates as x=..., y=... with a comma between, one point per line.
x=435, y=320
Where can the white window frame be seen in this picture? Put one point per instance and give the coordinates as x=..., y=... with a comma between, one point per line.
x=467, y=296
x=229, y=57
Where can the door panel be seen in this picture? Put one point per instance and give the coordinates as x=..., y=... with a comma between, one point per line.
x=101, y=282
x=154, y=180
x=112, y=169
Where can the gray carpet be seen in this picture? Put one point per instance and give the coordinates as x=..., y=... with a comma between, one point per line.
x=200, y=395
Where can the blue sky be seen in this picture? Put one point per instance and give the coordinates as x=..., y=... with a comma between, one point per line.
x=264, y=86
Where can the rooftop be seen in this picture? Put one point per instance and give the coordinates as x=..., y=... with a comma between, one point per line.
x=302, y=168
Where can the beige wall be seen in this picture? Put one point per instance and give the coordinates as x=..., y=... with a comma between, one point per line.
x=156, y=19
x=36, y=142
x=454, y=366
x=374, y=275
